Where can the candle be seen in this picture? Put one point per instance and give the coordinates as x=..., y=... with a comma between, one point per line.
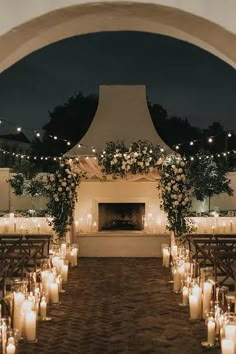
x=211, y=332
x=74, y=256
x=3, y=337
x=227, y=346
x=63, y=249
x=185, y=295
x=19, y=299
x=230, y=333
x=166, y=257
x=38, y=228
x=207, y=293
x=43, y=308
x=193, y=304
x=174, y=251
x=197, y=291
x=30, y=326
x=177, y=281
x=64, y=272
x=54, y=296
x=11, y=348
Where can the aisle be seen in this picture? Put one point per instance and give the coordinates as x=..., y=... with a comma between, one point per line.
x=119, y=305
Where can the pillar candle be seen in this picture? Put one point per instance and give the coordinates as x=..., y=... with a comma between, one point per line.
x=43, y=308
x=73, y=256
x=63, y=249
x=177, y=281
x=193, y=304
x=185, y=295
x=3, y=337
x=54, y=296
x=174, y=251
x=11, y=348
x=64, y=272
x=19, y=299
x=227, y=346
x=196, y=290
x=30, y=326
x=207, y=294
x=211, y=332
x=230, y=333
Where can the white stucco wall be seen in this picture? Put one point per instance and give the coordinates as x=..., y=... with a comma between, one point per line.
x=28, y=25
x=14, y=12
x=91, y=193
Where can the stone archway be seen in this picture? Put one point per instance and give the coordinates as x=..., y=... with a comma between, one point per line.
x=116, y=16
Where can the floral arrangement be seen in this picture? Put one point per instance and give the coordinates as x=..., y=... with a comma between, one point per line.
x=23, y=185
x=176, y=196
x=61, y=188
x=141, y=157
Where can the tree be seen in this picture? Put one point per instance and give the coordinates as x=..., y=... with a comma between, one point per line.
x=68, y=121
x=208, y=178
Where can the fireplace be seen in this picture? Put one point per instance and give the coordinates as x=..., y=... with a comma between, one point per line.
x=121, y=216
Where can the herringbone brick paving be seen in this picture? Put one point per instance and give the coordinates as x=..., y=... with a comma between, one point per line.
x=118, y=305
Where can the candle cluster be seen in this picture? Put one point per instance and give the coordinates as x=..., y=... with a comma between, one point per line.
x=206, y=300
x=28, y=299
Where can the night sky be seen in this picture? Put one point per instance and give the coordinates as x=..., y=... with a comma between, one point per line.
x=184, y=79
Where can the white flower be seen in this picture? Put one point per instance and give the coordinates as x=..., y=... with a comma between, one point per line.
x=180, y=170
x=172, y=181
x=63, y=184
x=67, y=170
x=67, y=188
x=169, y=184
x=147, y=164
x=52, y=178
x=72, y=184
x=123, y=167
x=128, y=167
x=56, y=199
x=182, y=163
x=178, y=178
x=176, y=203
x=69, y=176
x=173, y=166
x=112, y=163
x=183, y=202
x=59, y=189
x=172, y=196
x=59, y=175
x=168, y=189
x=186, y=199
x=62, y=164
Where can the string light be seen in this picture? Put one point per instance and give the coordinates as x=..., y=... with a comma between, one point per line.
x=177, y=147
x=229, y=134
x=210, y=140
x=18, y=129
x=191, y=143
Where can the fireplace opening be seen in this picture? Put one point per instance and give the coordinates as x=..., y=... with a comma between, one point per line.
x=121, y=216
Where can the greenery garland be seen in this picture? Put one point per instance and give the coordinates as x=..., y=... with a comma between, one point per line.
x=141, y=157
x=176, y=196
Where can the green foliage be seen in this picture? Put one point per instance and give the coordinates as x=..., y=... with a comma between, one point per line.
x=26, y=181
x=141, y=157
x=208, y=177
x=175, y=195
x=60, y=189
x=62, y=194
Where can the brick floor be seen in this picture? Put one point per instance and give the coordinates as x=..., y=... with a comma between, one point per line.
x=119, y=305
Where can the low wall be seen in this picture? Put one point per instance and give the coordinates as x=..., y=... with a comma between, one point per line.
x=9, y=201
